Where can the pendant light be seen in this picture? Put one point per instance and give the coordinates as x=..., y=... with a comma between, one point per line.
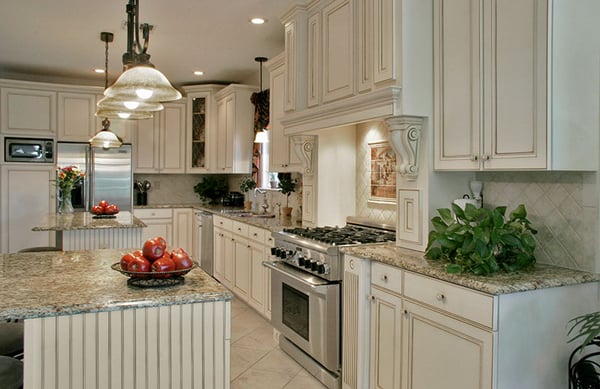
x=261, y=136
x=105, y=138
x=140, y=82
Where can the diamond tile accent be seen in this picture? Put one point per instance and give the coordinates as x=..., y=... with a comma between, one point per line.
x=567, y=230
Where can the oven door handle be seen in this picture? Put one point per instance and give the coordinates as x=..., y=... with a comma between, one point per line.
x=300, y=276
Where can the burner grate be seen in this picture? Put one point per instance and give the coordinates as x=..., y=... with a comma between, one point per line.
x=346, y=235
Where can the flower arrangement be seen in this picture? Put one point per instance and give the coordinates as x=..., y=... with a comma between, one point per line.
x=68, y=176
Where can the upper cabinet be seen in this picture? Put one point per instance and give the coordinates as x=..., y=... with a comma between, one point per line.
x=201, y=128
x=492, y=95
x=159, y=145
x=235, y=129
x=282, y=157
x=342, y=63
x=76, y=120
x=27, y=109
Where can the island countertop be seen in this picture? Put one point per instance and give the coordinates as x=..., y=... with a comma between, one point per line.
x=86, y=221
x=538, y=277
x=44, y=284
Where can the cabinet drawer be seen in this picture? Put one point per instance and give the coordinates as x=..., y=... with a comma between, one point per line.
x=222, y=222
x=240, y=228
x=153, y=213
x=257, y=234
x=454, y=299
x=387, y=277
x=268, y=239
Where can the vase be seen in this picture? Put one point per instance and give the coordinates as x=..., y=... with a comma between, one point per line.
x=65, y=205
x=286, y=211
x=247, y=205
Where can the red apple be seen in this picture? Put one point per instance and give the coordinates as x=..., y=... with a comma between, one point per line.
x=164, y=263
x=103, y=203
x=126, y=260
x=153, y=249
x=181, y=259
x=139, y=265
x=97, y=210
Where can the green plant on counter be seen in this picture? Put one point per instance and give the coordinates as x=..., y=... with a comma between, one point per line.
x=247, y=184
x=287, y=186
x=481, y=241
x=212, y=188
x=589, y=327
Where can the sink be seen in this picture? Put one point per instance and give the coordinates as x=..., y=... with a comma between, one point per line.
x=252, y=214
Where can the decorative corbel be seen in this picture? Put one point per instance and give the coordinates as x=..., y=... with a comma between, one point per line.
x=304, y=146
x=405, y=138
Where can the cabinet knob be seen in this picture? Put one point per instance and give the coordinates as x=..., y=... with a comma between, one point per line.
x=372, y=298
x=440, y=297
x=474, y=158
x=486, y=157
x=406, y=312
x=384, y=278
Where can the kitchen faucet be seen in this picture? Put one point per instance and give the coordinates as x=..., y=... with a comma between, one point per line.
x=265, y=205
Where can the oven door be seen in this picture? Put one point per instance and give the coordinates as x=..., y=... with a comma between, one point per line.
x=306, y=310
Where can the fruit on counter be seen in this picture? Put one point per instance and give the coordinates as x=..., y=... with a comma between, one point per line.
x=154, y=257
x=181, y=259
x=140, y=265
x=104, y=208
x=154, y=248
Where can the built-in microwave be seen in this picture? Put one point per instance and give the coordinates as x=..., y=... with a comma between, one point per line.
x=28, y=150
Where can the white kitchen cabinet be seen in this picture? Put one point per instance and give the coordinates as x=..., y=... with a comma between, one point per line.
x=269, y=243
x=183, y=233
x=159, y=145
x=27, y=194
x=235, y=123
x=386, y=327
x=282, y=157
x=241, y=260
x=27, y=109
x=223, y=250
x=452, y=336
x=159, y=222
x=76, y=121
x=490, y=84
x=201, y=144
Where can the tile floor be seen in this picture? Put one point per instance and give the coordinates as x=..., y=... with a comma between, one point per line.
x=257, y=362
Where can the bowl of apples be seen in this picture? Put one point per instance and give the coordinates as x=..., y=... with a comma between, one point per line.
x=104, y=210
x=154, y=265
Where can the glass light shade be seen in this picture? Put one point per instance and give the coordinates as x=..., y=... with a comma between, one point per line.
x=105, y=139
x=143, y=82
x=111, y=103
x=261, y=137
x=123, y=114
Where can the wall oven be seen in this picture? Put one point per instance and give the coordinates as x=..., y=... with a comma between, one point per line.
x=306, y=291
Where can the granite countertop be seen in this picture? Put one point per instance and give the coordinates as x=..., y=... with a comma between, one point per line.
x=538, y=277
x=85, y=221
x=276, y=223
x=66, y=283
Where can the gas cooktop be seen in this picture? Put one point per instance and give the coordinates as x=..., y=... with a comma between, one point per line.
x=337, y=236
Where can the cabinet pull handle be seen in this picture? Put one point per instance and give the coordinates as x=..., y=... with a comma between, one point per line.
x=486, y=157
x=384, y=278
x=474, y=158
x=255, y=234
x=440, y=297
x=372, y=298
x=406, y=312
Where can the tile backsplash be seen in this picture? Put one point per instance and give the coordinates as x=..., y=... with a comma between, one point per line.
x=562, y=206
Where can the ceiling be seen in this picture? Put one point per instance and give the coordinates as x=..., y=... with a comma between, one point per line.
x=59, y=40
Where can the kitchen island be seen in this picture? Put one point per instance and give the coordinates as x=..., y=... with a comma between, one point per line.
x=86, y=328
x=84, y=231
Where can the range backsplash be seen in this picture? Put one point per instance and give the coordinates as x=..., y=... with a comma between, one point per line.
x=562, y=206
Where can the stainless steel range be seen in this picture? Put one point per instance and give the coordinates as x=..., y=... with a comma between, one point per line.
x=306, y=281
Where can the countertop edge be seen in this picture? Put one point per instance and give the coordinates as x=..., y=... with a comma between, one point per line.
x=541, y=276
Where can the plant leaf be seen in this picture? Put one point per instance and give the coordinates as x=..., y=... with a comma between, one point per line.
x=471, y=212
x=439, y=224
x=433, y=253
x=453, y=268
x=518, y=213
x=446, y=215
x=458, y=211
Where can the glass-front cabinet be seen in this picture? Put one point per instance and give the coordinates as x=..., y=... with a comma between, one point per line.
x=201, y=127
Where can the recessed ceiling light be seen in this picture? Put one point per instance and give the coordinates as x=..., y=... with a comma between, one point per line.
x=99, y=70
x=258, y=21
x=199, y=73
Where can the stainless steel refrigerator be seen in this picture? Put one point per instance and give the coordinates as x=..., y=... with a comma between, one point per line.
x=108, y=174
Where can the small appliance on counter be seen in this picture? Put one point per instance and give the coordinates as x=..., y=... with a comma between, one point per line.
x=475, y=199
x=233, y=199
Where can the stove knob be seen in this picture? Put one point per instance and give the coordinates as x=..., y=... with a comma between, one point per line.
x=274, y=250
x=301, y=261
x=308, y=263
x=282, y=254
x=326, y=269
x=314, y=265
x=321, y=268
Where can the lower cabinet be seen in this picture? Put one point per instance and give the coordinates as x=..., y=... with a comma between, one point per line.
x=406, y=330
x=239, y=251
x=27, y=192
x=183, y=232
x=173, y=224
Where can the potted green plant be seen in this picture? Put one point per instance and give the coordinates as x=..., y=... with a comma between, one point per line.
x=287, y=186
x=212, y=188
x=482, y=241
x=247, y=184
x=584, y=370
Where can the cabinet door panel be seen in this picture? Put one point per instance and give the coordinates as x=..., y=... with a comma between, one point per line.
x=146, y=146
x=338, y=50
x=241, y=277
x=386, y=337
x=442, y=352
x=257, y=290
x=172, y=139
x=17, y=108
x=76, y=120
x=158, y=227
x=457, y=76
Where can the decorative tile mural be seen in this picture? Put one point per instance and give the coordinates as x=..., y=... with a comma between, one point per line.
x=384, y=212
x=562, y=206
x=383, y=172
